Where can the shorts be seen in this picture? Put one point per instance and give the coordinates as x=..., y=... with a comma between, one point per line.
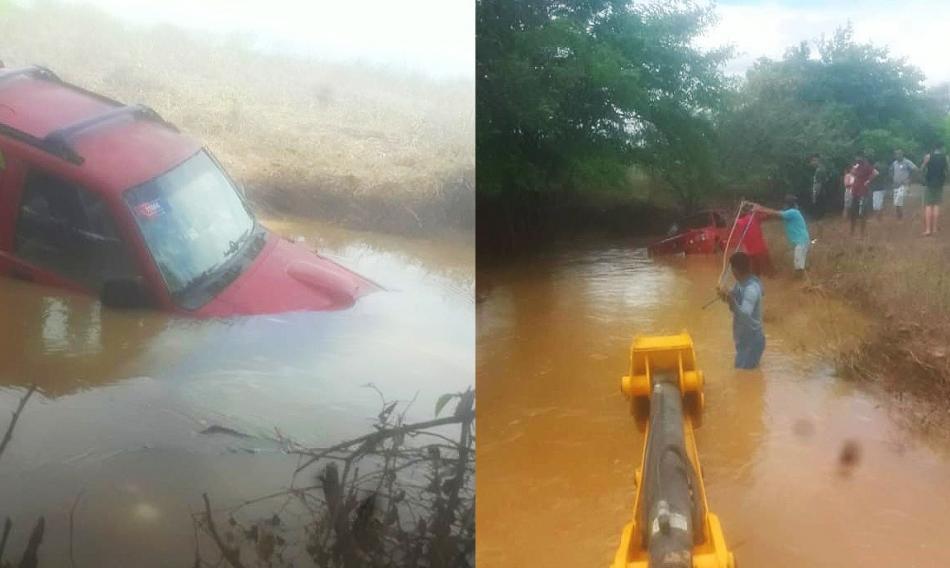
x=900, y=192
x=749, y=351
x=933, y=195
x=877, y=200
x=799, y=256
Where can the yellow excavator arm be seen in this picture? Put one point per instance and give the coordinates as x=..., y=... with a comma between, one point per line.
x=672, y=526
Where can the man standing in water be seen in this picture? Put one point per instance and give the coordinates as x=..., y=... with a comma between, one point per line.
x=935, y=168
x=745, y=303
x=901, y=169
x=795, y=230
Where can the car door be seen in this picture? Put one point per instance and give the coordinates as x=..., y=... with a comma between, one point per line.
x=11, y=186
x=722, y=227
x=64, y=236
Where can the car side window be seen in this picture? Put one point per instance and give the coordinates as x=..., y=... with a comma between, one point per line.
x=720, y=222
x=69, y=231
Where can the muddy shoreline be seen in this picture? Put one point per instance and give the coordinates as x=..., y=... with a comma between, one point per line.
x=897, y=279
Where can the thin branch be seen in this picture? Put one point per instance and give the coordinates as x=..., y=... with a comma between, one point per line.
x=72, y=514
x=228, y=553
x=383, y=434
x=30, y=557
x=7, y=527
x=198, y=560
x=16, y=416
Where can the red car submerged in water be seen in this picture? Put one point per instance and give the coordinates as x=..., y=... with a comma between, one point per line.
x=705, y=232
x=111, y=200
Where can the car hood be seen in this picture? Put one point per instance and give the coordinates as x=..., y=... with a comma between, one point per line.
x=286, y=277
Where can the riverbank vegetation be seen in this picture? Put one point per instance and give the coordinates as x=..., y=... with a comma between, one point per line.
x=901, y=281
x=578, y=99
x=399, y=496
x=365, y=147
x=402, y=495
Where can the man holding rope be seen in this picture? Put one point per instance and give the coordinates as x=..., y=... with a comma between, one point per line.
x=795, y=230
x=745, y=303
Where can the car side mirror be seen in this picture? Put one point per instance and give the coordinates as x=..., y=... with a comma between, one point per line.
x=125, y=293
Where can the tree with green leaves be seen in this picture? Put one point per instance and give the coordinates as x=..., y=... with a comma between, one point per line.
x=571, y=94
x=835, y=98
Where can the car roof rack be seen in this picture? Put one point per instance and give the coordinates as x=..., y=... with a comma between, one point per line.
x=59, y=141
x=35, y=71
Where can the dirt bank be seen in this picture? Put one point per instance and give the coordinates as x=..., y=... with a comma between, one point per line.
x=448, y=205
x=902, y=281
x=524, y=225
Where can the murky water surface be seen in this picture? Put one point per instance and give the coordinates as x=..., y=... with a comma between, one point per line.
x=123, y=397
x=558, y=449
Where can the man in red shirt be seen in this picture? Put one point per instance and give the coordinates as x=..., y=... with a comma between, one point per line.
x=749, y=239
x=863, y=173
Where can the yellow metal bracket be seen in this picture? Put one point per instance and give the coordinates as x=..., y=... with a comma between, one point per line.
x=672, y=360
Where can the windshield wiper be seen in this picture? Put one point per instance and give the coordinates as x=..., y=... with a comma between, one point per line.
x=198, y=280
x=235, y=245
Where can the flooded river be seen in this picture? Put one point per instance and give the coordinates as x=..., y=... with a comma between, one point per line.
x=123, y=397
x=558, y=449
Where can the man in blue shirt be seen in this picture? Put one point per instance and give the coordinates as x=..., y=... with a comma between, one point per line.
x=745, y=303
x=795, y=230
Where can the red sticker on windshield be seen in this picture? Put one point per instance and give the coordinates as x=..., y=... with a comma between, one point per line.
x=148, y=209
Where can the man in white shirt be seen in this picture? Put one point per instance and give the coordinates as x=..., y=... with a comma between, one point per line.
x=901, y=169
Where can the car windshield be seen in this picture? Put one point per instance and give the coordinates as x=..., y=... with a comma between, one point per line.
x=192, y=219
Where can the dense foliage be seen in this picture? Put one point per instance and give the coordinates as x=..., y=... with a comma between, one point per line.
x=834, y=99
x=572, y=96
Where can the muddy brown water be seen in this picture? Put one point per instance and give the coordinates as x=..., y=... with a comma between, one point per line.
x=558, y=449
x=123, y=397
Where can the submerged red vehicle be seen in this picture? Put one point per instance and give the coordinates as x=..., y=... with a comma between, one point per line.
x=111, y=200
x=705, y=232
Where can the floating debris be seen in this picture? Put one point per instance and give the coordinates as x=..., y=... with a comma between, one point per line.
x=850, y=454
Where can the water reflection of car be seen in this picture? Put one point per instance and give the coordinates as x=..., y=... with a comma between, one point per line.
x=109, y=199
x=701, y=233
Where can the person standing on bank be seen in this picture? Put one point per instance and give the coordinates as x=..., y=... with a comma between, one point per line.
x=864, y=173
x=745, y=303
x=818, y=182
x=901, y=170
x=795, y=230
x=935, y=166
x=848, y=180
x=878, y=190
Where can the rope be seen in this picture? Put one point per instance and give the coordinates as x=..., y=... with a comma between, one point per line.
x=725, y=255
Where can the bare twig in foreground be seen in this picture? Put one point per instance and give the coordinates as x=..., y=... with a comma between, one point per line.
x=230, y=554
x=31, y=554
x=16, y=416
x=7, y=527
x=381, y=434
x=72, y=514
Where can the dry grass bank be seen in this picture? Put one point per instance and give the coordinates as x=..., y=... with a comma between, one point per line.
x=347, y=143
x=902, y=281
